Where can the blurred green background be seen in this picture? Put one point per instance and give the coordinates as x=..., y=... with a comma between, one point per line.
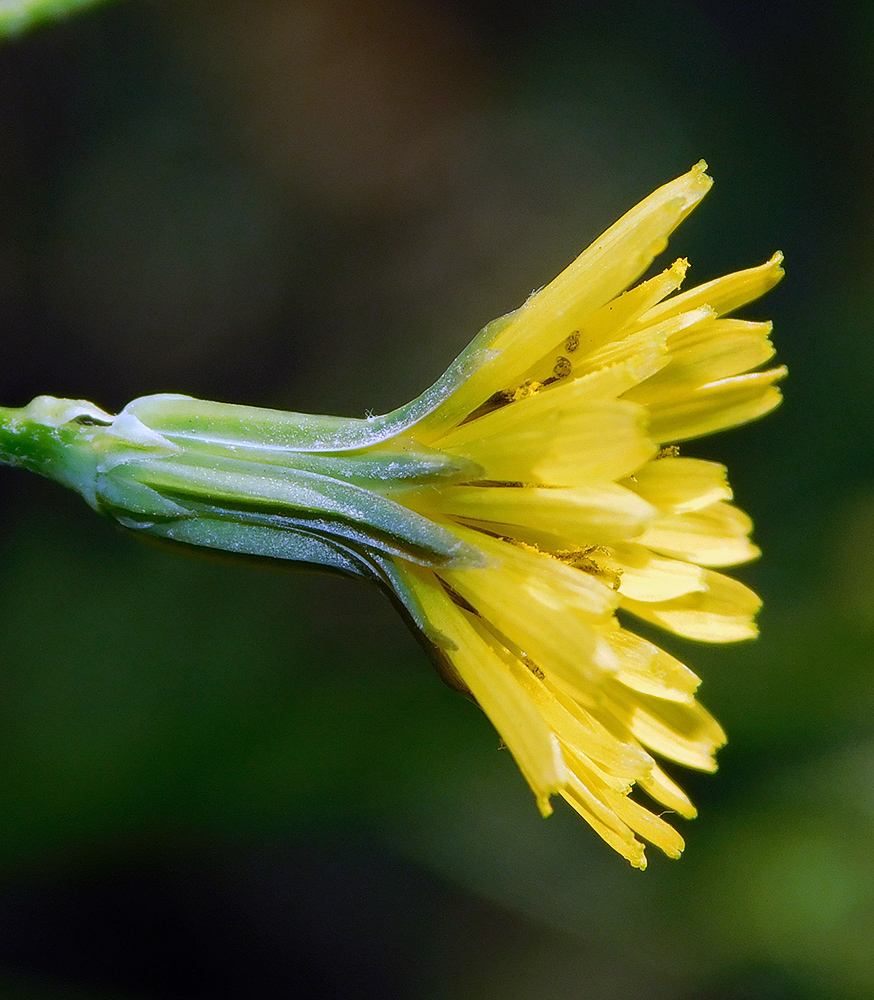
x=217, y=781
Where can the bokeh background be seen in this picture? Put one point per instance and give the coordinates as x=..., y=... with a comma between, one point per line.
x=217, y=781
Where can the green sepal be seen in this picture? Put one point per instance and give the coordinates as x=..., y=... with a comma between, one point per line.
x=255, y=481
x=295, y=440
x=290, y=544
x=180, y=417
x=248, y=493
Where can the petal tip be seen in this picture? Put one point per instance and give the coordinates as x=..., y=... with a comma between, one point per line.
x=698, y=174
x=638, y=861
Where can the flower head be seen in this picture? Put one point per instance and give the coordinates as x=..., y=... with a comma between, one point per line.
x=585, y=508
x=534, y=492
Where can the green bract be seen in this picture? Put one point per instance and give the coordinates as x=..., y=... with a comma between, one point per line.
x=250, y=481
x=319, y=490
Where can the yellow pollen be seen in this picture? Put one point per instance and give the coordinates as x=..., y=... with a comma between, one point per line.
x=582, y=559
x=528, y=388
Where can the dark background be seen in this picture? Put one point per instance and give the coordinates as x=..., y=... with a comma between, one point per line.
x=223, y=782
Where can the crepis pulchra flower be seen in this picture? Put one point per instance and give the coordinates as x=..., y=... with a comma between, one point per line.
x=513, y=509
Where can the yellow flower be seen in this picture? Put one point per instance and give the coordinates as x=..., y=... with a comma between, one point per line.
x=584, y=508
x=534, y=491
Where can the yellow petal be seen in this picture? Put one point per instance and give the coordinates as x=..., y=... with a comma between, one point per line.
x=522, y=569
x=723, y=294
x=723, y=612
x=560, y=436
x=604, y=821
x=608, y=324
x=549, y=517
x=558, y=629
x=716, y=406
x=630, y=346
x=717, y=535
x=609, y=265
x=652, y=828
x=549, y=316
x=618, y=812
x=666, y=791
x=484, y=668
x=611, y=379
x=682, y=731
x=577, y=729
x=677, y=485
x=648, y=669
x=645, y=576
x=714, y=350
